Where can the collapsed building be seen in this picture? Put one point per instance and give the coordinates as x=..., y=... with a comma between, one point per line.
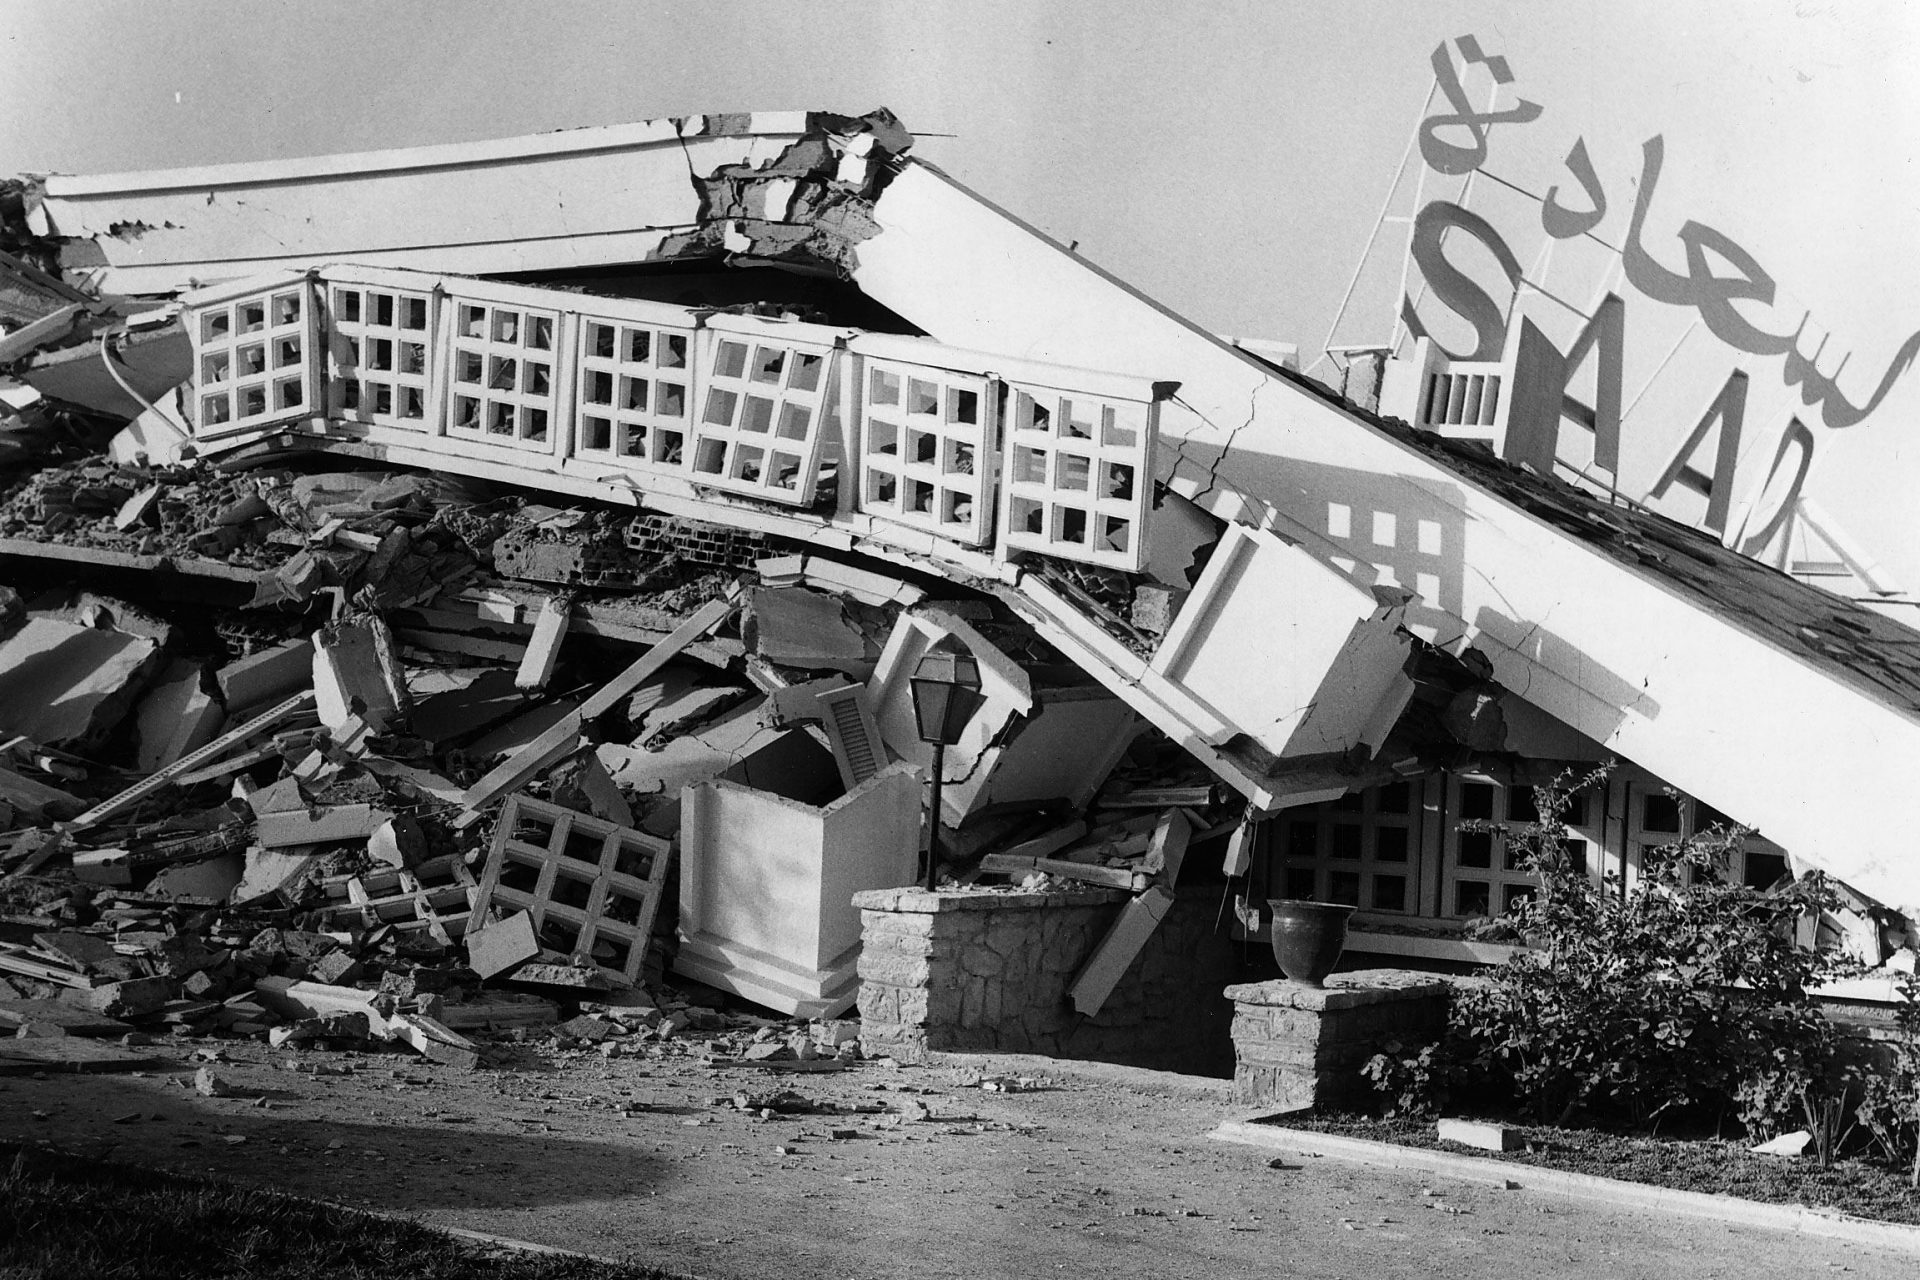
x=577, y=510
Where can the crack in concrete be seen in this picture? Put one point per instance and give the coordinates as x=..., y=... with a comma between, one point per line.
x=1213, y=470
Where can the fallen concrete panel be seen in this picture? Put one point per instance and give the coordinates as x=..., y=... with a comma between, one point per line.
x=67, y=685
x=1324, y=672
x=176, y=718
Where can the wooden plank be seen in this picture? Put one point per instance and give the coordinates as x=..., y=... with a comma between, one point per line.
x=188, y=763
x=543, y=648
x=1004, y=864
x=1117, y=951
x=519, y=768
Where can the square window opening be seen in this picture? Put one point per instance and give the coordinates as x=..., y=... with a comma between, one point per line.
x=757, y=417
x=747, y=463
x=794, y=421
x=1389, y=893
x=806, y=371
x=721, y=406
x=1028, y=516
x=963, y=406
x=710, y=457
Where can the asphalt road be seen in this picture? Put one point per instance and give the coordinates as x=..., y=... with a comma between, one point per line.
x=897, y=1171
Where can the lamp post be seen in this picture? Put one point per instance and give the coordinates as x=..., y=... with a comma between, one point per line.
x=946, y=693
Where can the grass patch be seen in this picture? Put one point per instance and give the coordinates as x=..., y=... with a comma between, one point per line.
x=65, y=1218
x=1713, y=1166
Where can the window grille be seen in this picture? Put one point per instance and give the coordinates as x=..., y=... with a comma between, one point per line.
x=1480, y=870
x=1362, y=849
x=380, y=341
x=760, y=425
x=1078, y=475
x=927, y=449
x=252, y=363
x=634, y=393
x=502, y=374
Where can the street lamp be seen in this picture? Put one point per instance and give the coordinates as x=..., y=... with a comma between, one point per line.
x=946, y=693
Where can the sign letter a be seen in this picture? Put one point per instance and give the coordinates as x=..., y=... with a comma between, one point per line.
x=1729, y=409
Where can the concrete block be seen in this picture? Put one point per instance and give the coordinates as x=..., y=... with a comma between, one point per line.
x=130, y=999
x=356, y=671
x=267, y=676
x=500, y=947
x=1482, y=1134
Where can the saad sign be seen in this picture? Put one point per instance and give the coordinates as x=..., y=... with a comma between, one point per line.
x=1470, y=276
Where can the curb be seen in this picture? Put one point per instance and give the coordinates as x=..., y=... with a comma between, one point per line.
x=1577, y=1186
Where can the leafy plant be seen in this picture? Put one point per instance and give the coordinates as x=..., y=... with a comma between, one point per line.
x=1890, y=1099
x=1417, y=1080
x=1678, y=987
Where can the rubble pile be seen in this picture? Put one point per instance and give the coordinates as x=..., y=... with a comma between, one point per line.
x=420, y=777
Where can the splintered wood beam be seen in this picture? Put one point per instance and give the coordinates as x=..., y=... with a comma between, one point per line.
x=523, y=765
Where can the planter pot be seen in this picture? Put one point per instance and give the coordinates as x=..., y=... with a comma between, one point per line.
x=1308, y=938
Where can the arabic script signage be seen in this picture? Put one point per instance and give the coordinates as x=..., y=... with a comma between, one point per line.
x=1703, y=269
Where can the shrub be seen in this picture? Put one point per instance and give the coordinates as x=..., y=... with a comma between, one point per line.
x=1890, y=1099
x=1676, y=989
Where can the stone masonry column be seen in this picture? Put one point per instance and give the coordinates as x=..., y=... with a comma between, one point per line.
x=973, y=970
x=1296, y=1047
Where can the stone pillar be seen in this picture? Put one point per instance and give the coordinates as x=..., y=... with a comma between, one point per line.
x=988, y=970
x=1296, y=1047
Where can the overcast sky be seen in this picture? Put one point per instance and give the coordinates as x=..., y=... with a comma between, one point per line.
x=1227, y=158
